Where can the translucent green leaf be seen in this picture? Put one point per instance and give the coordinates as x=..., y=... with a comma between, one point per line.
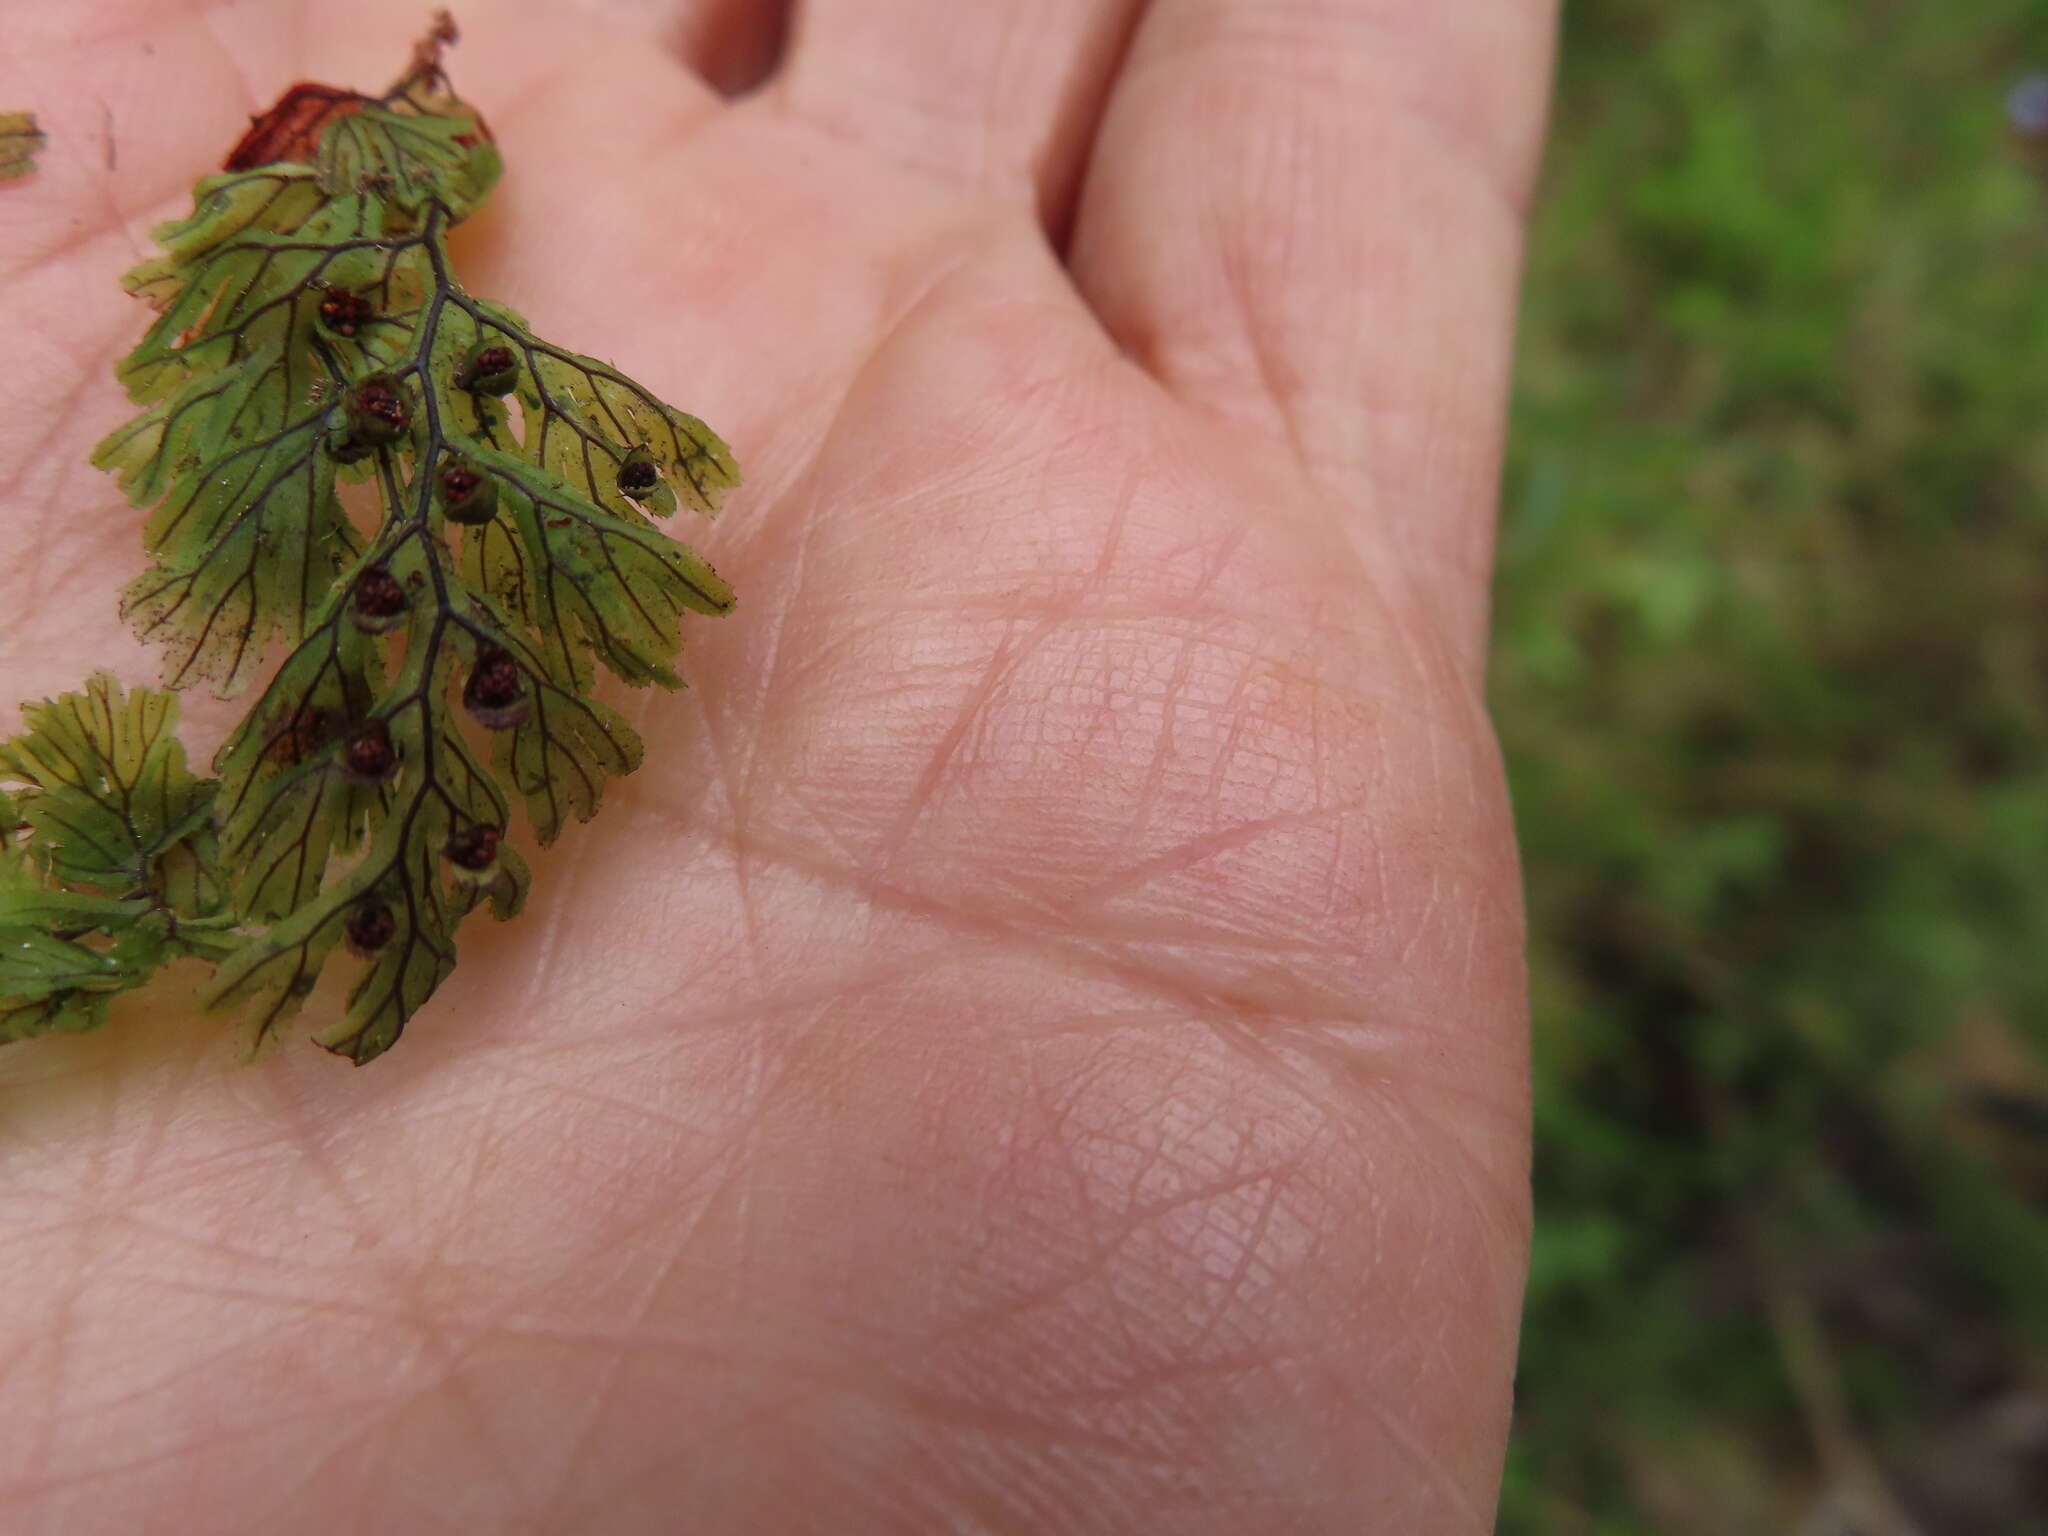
x=263, y=290
x=559, y=757
x=20, y=139
x=440, y=520
x=106, y=794
x=52, y=986
x=584, y=577
x=286, y=806
x=110, y=870
x=28, y=900
x=278, y=198
x=584, y=418
x=247, y=544
x=408, y=158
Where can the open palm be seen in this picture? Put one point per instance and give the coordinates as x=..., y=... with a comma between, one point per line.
x=1038, y=1047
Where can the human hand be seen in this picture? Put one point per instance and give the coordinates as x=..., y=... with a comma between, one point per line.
x=1039, y=1046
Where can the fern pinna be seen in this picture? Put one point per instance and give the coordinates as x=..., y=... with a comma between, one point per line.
x=314, y=359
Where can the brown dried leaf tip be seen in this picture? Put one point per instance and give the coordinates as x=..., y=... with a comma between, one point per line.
x=291, y=129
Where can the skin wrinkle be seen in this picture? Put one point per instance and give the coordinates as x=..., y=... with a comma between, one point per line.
x=316, y=1408
x=1236, y=709
x=1166, y=983
x=1145, y=1383
x=1313, y=58
x=371, y=1432
x=848, y=1500
x=887, y=332
x=264, y=1338
x=59, y=410
x=1219, y=766
x=1028, y=129
x=1152, y=791
x=585, y=1435
x=117, y=224
x=1197, y=850
x=67, y=1323
x=1359, y=380
x=1165, y=750
x=407, y=1313
x=1144, y=1162
x=318, y=1405
x=731, y=776
x=440, y=1376
x=1004, y=662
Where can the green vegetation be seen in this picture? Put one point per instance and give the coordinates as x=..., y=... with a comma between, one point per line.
x=1772, y=674
x=348, y=454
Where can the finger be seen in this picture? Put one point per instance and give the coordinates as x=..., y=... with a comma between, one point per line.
x=735, y=45
x=999, y=94
x=1308, y=217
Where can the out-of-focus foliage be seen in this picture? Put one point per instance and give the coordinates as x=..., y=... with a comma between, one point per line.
x=1772, y=675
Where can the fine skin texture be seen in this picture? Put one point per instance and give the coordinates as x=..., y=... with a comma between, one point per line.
x=1039, y=1048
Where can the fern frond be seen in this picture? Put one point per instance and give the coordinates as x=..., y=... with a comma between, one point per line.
x=310, y=336
x=109, y=866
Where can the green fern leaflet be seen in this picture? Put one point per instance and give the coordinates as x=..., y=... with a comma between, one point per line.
x=108, y=861
x=444, y=524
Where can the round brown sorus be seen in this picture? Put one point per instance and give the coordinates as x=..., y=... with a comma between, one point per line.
x=488, y=370
x=639, y=474
x=475, y=847
x=376, y=411
x=343, y=312
x=367, y=756
x=369, y=928
x=469, y=494
x=378, y=602
x=495, y=695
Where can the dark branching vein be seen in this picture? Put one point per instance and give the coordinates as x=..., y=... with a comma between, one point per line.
x=310, y=334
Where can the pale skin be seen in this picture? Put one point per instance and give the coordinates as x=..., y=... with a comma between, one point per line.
x=1040, y=1046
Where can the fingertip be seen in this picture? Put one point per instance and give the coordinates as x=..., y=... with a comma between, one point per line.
x=735, y=46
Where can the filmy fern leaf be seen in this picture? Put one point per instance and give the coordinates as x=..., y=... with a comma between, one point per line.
x=109, y=866
x=441, y=520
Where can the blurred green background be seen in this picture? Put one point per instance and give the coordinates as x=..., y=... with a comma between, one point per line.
x=1772, y=674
